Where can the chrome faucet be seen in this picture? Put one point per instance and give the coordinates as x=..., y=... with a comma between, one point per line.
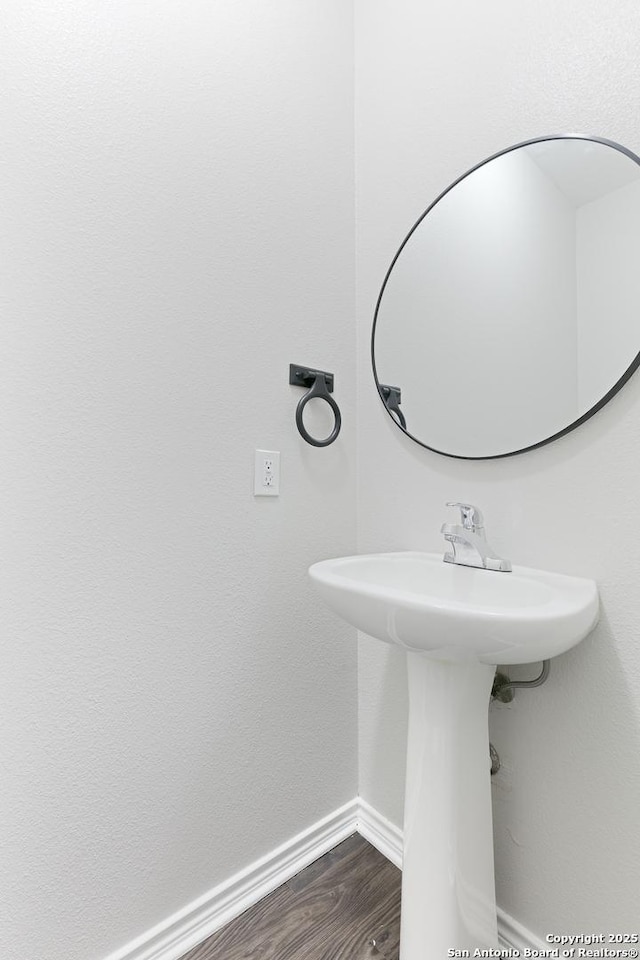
x=469, y=546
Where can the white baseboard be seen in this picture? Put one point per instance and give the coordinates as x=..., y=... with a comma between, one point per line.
x=172, y=938
x=380, y=832
x=187, y=928
x=513, y=934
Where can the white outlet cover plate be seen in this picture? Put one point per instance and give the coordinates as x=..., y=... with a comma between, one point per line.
x=266, y=475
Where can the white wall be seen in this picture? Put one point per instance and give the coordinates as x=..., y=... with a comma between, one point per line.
x=439, y=87
x=482, y=303
x=177, y=226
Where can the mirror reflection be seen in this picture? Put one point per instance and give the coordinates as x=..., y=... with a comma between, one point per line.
x=509, y=314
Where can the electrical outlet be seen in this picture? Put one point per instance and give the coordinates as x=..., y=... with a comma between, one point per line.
x=266, y=477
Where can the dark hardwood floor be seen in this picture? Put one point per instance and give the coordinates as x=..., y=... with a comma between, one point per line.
x=345, y=906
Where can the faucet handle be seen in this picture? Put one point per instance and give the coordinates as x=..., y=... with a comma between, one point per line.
x=471, y=516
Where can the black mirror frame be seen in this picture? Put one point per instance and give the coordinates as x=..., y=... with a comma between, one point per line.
x=585, y=416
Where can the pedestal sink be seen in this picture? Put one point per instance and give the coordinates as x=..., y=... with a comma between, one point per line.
x=456, y=624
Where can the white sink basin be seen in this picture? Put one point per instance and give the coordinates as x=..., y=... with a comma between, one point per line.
x=452, y=612
x=455, y=623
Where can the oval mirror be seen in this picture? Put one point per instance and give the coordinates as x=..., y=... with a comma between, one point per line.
x=509, y=314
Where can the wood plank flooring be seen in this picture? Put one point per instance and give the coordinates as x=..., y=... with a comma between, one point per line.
x=345, y=906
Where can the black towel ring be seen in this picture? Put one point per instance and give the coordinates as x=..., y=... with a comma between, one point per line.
x=320, y=385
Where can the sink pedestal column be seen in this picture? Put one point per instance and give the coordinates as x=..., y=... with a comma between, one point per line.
x=448, y=892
